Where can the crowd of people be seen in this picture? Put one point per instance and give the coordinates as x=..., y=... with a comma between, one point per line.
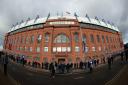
x=60, y=67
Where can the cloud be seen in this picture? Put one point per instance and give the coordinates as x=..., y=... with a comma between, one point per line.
x=14, y=11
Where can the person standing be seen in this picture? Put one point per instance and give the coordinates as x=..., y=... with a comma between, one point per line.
x=67, y=67
x=5, y=61
x=23, y=60
x=109, y=62
x=52, y=70
x=85, y=65
x=42, y=65
x=91, y=66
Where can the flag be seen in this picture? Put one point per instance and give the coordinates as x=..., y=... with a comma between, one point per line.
x=97, y=19
x=36, y=18
x=88, y=17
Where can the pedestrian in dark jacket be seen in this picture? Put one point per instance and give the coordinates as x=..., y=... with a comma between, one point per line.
x=85, y=64
x=52, y=70
x=42, y=65
x=91, y=66
x=81, y=65
x=67, y=67
x=109, y=63
x=122, y=56
x=5, y=62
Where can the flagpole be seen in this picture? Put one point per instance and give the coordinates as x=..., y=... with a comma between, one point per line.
x=48, y=16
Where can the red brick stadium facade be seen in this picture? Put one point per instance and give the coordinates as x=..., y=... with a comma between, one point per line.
x=63, y=38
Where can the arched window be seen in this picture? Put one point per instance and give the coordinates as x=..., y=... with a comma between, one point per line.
x=61, y=38
x=76, y=37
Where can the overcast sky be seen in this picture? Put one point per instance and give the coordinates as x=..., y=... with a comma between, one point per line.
x=13, y=11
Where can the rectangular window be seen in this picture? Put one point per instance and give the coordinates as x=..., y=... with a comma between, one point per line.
x=45, y=49
x=20, y=48
x=38, y=49
x=86, y=49
x=77, y=49
x=25, y=48
x=64, y=49
x=47, y=36
x=99, y=48
x=93, y=49
x=54, y=49
x=58, y=49
x=30, y=49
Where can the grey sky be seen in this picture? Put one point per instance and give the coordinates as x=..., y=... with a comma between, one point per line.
x=13, y=11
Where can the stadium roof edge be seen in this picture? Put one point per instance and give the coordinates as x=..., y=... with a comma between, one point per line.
x=80, y=19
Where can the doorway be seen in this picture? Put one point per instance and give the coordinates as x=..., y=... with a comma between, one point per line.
x=61, y=60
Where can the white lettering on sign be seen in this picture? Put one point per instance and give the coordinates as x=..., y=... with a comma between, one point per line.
x=61, y=22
